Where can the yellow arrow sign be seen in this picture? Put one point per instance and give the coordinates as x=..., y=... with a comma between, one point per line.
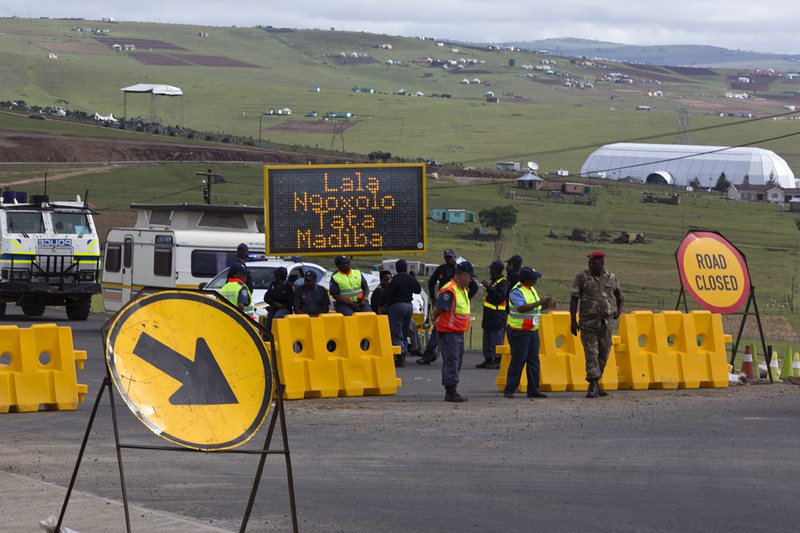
x=191, y=368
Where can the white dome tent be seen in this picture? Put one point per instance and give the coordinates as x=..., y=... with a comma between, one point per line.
x=680, y=164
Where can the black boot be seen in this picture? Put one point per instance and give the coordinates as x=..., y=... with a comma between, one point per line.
x=400, y=360
x=487, y=363
x=594, y=390
x=428, y=357
x=600, y=391
x=452, y=395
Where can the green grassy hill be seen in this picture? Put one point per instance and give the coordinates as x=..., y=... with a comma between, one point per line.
x=677, y=54
x=537, y=117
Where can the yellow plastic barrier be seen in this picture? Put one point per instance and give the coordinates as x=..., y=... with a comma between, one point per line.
x=333, y=355
x=682, y=345
x=671, y=349
x=560, y=354
x=666, y=350
x=38, y=368
x=643, y=358
x=711, y=342
x=563, y=365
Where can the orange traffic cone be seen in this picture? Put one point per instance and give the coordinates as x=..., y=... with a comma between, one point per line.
x=747, y=363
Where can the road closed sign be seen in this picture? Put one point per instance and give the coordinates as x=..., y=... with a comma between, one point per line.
x=191, y=368
x=713, y=271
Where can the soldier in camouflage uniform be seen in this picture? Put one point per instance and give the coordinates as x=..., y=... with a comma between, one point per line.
x=601, y=300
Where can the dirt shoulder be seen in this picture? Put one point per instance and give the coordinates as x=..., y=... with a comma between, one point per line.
x=39, y=148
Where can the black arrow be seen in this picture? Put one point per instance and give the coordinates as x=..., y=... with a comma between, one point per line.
x=202, y=381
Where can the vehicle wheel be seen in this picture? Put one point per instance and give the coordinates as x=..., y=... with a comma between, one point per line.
x=33, y=310
x=79, y=309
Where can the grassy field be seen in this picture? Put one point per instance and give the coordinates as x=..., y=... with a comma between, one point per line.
x=537, y=118
x=767, y=235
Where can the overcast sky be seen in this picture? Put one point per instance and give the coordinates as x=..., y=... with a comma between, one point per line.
x=759, y=25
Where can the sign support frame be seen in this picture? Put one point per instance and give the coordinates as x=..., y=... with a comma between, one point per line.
x=751, y=298
x=278, y=413
x=767, y=353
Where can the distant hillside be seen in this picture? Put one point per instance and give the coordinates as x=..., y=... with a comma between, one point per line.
x=469, y=105
x=675, y=54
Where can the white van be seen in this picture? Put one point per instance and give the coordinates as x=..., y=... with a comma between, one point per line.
x=175, y=246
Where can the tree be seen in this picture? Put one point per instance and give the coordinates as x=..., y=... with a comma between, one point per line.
x=695, y=183
x=512, y=62
x=722, y=183
x=500, y=218
x=746, y=179
x=772, y=182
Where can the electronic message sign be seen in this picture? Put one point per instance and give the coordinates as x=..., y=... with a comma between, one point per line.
x=713, y=271
x=344, y=209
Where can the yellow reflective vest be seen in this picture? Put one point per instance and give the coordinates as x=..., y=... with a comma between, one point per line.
x=349, y=285
x=231, y=293
x=499, y=307
x=524, y=321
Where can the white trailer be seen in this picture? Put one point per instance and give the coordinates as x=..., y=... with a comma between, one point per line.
x=175, y=246
x=507, y=165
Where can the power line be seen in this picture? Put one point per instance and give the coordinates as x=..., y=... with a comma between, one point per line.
x=156, y=197
x=716, y=151
x=666, y=160
x=646, y=138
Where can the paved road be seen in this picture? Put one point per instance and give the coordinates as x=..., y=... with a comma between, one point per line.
x=707, y=460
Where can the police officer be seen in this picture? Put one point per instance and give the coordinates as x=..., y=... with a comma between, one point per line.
x=494, y=315
x=523, y=333
x=601, y=300
x=310, y=298
x=242, y=255
x=279, y=297
x=441, y=276
x=349, y=289
x=376, y=300
x=512, y=271
x=237, y=292
x=451, y=313
x=397, y=297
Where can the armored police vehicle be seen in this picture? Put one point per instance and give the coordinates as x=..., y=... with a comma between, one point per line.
x=50, y=255
x=175, y=246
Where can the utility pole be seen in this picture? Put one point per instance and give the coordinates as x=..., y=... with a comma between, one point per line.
x=209, y=175
x=682, y=135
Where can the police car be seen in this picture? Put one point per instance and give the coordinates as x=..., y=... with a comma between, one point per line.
x=263, y=273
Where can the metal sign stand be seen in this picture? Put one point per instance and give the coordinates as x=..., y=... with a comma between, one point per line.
x=745, y=314
x=277, y=413
x=767, y=353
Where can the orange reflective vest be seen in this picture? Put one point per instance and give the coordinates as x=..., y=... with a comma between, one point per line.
x=455, y=319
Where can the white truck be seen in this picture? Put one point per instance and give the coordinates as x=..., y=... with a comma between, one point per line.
x=175, y=246
x=50, y=255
